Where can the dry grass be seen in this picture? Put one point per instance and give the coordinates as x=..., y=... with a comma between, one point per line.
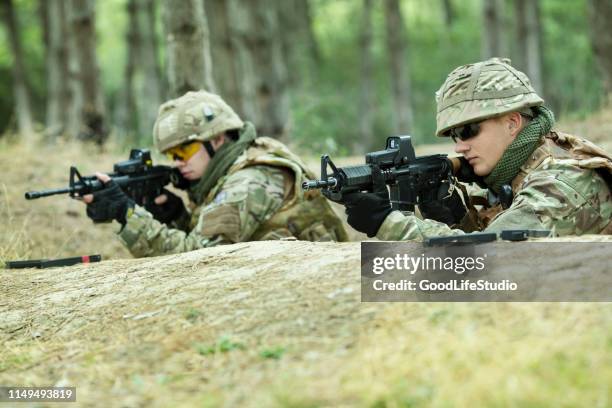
x=258, y=325
x=55, y=226
x=469, y=355
x=597, y=128
x=242, y=326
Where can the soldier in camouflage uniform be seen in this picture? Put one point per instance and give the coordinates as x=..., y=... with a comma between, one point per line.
x=242, y=187
x=546, y=179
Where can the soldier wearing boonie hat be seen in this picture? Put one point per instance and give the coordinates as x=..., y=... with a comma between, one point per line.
x=537, y=178
x=241, y=187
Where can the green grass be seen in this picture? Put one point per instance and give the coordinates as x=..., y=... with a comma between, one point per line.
x=223, y=345
x=274, y=353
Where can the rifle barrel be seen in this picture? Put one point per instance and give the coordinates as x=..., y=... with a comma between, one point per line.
x=315, y=184
x=50, y=263
x=31, y=195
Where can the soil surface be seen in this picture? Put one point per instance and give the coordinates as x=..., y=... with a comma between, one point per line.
x=259, y=324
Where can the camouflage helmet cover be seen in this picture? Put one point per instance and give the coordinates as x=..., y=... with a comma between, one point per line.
x=194, y=116
x=482, y=90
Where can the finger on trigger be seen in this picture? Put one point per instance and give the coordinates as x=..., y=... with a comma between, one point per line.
x=105, y=178
x=160, y=199
x=88, y=198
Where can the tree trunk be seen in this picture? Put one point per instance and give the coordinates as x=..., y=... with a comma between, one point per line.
x=251, y=74
x=142, y=92
x=271, y=79
x=493, y=44
x=449, y=13
x=92, y=114
x=75, y=107
x=20, y=86
x=299, y=44
x=224, y=53
x=149, y=89
x=143, y=71
x=529, y=41
x=247, y=48
x=400, y=76
x=58, y=91
x=43, y=14
x=366, y=103
x=187, y=47
x=127, y=116
x=245, y=75
x=238, y=77
x=600, y=15
x=311, y=40
x=519, y=60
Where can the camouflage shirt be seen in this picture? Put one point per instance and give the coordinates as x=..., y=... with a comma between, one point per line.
x=258, y=199
x=561, y=188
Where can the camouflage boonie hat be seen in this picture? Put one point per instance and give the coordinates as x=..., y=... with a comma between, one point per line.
x=482, y=90
x=194, y=116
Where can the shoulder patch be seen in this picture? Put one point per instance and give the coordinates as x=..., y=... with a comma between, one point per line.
x=219, y=198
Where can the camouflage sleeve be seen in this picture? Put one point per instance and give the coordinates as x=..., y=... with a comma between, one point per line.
x=406, y=226
x=247, y=198
x=566, y=200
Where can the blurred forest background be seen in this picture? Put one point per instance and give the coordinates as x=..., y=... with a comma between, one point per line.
x=334, y=76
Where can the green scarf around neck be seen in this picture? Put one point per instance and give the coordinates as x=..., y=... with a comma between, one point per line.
x=521, y=148
x=220, y=163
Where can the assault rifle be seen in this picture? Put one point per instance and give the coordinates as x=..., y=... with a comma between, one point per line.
x=137, y=177
x=412, y=180
x=51, y=263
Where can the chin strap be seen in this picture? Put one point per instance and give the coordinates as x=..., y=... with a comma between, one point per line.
x=209, y=148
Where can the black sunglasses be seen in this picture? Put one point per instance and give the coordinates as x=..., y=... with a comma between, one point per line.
x=464, y=132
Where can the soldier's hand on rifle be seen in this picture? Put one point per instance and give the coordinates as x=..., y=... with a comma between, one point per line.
x=449, y=210
x=166, y=207
x=108, y=204
x=367, y=211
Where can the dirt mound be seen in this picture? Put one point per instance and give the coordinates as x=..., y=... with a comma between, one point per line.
x=281, y=324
